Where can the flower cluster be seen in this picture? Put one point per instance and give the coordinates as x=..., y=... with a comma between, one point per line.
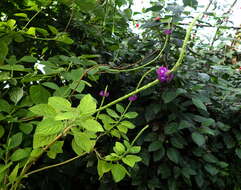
x=163, y=74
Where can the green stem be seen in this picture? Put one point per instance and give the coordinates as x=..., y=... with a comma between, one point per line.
x=184, y=46
x=130, y=94
x=55, y=165
x=142, y=66
x=139, y=134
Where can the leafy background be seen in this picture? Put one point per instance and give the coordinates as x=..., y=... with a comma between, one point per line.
x=194, y=137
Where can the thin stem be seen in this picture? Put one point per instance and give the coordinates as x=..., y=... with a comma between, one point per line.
x=142, y=66
x=102, y=101
x=55, y=165
x=30, y=20
x=139, y=134
x=218, y=28
x=184, y=46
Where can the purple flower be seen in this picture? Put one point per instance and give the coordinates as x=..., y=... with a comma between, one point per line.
x=163, y=74
x=167, y=31
x=103, y=93
x=133, y=98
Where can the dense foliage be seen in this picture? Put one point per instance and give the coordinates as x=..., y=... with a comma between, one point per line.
x=81, y=105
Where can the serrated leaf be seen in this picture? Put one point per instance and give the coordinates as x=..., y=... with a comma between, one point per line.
x=41, y=141
x=43, y=110
x=66, y=116
x=130, y=160
x=49, y=127
x=92, y=125
x=87, y=105
x=84, y=141
x=198, y=138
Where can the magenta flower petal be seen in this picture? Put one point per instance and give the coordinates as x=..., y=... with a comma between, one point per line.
x=103, y=93
x=133, y=98
x=163, y=74
x=167, y=31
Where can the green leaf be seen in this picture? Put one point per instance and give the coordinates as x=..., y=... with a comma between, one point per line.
x=198, y=103
x=120, y=108
x=55, y=149
x=49, y=126
x=42, y=140
x=78, y=150
x=28, y=59
x=31, y=31
x=154, y=146
x=92, y=125
x=16, y=94
x=135, y=149
x=63, y=37
x=43, y=110
x=238, y=152
x=84, y=141
x=39, y=94
x=198, y=138
x=119, y=148
x=21, y=15
x=2, y=131
x=131, y=115
x=118, y=172
x=3, y=51
x=130, y=160
x=26, y=128
x=4, y=106
x=20, y=154
x=128, y=124
x=87, y=105
x=211, y=169
x=11, y=23
x=103, y=167
x=112, y=113
x=173, y=155
x=53, y=29
x=66, y=116
x=171, y=94
x=171, y=128
x=13, y=175
x=15, y=140
x=51, y=85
